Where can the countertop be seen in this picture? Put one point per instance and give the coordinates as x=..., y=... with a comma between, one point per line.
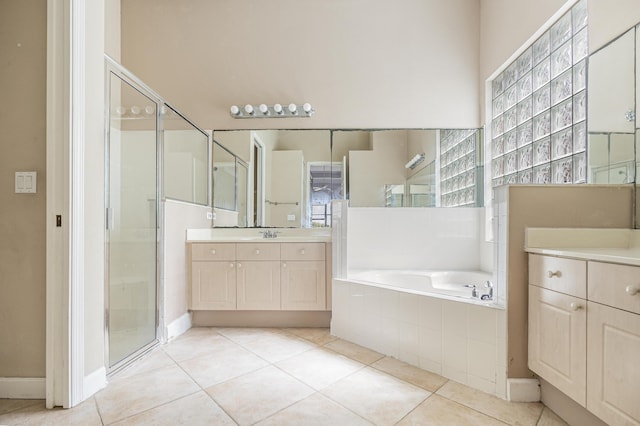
x=606, y=245
x=255, y=235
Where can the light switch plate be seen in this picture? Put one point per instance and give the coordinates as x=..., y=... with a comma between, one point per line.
x=26, y=182
x=291, y=217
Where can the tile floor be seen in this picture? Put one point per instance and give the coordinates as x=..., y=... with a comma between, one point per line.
x=292, y=376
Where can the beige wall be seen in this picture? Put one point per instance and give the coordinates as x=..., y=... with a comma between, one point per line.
x=360, y=64
x=22, y=216
x=113, y=31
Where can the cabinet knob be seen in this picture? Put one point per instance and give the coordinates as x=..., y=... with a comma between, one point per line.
x=302, y=251
x=284, y=265
x=632, y=290
x=552, y=274
x=231, y=265
x=575, y=306
x=257, y=251
x=213, y=252
x=239, y=265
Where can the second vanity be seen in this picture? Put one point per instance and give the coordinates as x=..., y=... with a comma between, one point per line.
x=248, y=270
x=584, y=317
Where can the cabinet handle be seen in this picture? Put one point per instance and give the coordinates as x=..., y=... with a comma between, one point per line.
x=284, y=265
x=257, y=251
x=552, y=274
x=575, y=306
x=632, y=290
x=239, y=265
x=302, y=251
x=213, y=252
x=231, y=265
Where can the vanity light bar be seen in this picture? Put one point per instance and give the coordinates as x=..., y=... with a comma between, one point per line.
x=272, y=111
x=419, y=158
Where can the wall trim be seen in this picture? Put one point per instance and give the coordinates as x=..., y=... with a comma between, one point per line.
x=93, y=382
x=523, y=390
x=178, y=326
x=23, y=387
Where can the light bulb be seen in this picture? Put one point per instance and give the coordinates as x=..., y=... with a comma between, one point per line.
x=292, y=108
x=148, y=109
x=306, y=107
x=264, y=109
x=135, y=110
x=248, y=109
x=234, y=110
x=277, y=108
x=121, y=110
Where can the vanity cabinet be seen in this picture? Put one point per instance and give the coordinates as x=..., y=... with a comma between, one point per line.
x=258, y=276
x=584, y=333
x=558, y=323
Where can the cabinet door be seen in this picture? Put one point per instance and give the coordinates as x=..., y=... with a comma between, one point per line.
x=557, y=340
x=303, y=286
x=614, y=365
x=213, y=285
x=258, y=285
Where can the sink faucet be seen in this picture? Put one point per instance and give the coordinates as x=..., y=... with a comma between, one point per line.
x=269, y=233
x=489, y=295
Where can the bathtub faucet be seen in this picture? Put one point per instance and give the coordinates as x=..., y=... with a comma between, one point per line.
x=474, y=289
x=489, y=295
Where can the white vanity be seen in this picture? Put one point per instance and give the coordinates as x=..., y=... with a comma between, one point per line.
x=274, y=269
x=584, y=317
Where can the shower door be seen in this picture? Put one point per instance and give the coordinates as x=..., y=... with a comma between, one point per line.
x=131, y=220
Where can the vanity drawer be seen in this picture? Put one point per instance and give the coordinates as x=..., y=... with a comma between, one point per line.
x=567, y=276
x=258, y=251
x=614, y=285
x=213, y=252
x=303, y=251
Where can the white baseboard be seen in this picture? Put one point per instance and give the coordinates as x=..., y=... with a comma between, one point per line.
x=179, y=326
x=523, y=390
x=22, y=387
x=94, y=382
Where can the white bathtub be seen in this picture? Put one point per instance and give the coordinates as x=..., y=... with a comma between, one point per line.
x=445, y=284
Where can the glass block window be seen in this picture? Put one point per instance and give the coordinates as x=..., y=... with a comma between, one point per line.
x=460, y=168
x=538, y=126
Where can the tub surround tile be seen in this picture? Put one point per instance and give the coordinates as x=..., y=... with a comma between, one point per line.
x=376, y=396
x=437, y=410
x=320, y=367
x=353, y=351
x=319, y=336
x=85, y=413
x=430, y=315
x=454, y=319
x=482, y=324
x=454, y=352
x=523, y=413
x=481, y=360
x=136, y=394
x=430, y=345
x=257, y=395
x=195, y=409
x=316, y=410
x=411, y=374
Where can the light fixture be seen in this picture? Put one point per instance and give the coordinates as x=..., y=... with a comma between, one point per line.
x=135, y=110
x=272, y=111
x=417, y=159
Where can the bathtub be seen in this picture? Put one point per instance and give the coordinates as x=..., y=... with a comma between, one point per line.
x=469, y=285
x=427, y=318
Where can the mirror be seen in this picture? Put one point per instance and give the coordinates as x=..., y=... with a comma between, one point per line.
x=293, y=175
x=612, y=122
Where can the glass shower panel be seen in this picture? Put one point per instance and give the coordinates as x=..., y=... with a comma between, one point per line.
x=131, y=221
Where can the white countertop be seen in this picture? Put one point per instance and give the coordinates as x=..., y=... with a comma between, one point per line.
x=606, y=245
x=255, y=235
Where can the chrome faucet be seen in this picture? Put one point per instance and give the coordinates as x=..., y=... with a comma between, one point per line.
x=489, y=295
x=474, y=289
x=269, y=234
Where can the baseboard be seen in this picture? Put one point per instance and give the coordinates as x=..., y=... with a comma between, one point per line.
x=261, y=318
x=179, y=326
x=523, y=390
x=22, y=387
x=94, y=382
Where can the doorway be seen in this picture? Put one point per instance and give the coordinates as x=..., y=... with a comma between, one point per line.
x=257, y=161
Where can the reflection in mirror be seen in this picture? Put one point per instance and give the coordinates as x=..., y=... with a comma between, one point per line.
x=229, y=187
x=421, y=187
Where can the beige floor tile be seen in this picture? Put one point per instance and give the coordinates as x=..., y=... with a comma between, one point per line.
x=242, y=335
x=549, y=418
x=319, y=367
x=190, y=346
x=376, y=396
x=513, y=413
x=353, y=351
x=151, y=361
x=411, y=374
x=195, y=409
x=276, y=347
x=83, y=414
x=8, y=405
x=316, y=410
x=257, y=395
x=133, y=395
x=319, y=336
x=437, y=410
x=223, y=364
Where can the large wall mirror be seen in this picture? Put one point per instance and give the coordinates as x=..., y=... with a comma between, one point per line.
x=287, y=178
x=613, y=125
